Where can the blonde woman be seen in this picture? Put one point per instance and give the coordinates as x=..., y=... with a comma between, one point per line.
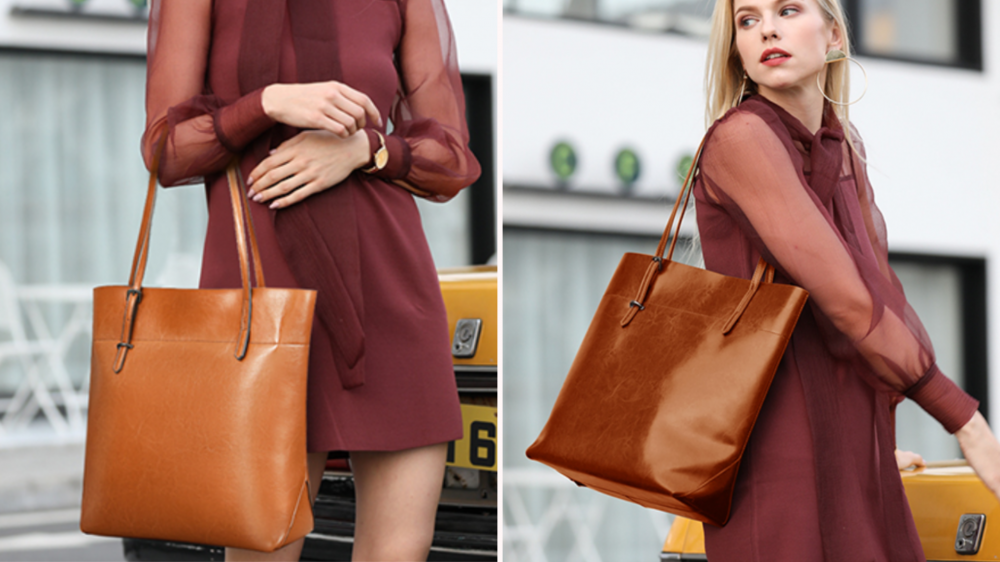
x=783, y=176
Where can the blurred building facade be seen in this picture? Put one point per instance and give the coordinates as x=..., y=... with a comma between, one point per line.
x=72, y=87
x=604, y=104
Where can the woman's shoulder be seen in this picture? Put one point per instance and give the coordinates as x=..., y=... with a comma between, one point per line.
x=751, y=121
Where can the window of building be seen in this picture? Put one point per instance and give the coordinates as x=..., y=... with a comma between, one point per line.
x=463, y=232
x=949, y=296
x=946, y=32
x=943, y=32
x=691, y=17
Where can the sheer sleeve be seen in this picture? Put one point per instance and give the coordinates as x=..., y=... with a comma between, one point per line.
x=204, y=131
x=429, y=145
x=747, y=169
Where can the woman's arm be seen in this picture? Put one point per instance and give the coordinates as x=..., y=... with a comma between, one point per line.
x=204, y=132
x=178, y=43
x=749, y=171
x=429, y=146
x=982, y=451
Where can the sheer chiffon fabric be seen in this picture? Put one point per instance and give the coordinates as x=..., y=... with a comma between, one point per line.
x=380, y=363
x=425, y=103
x=768, y=187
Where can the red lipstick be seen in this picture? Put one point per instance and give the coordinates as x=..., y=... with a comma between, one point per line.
x=781, y=56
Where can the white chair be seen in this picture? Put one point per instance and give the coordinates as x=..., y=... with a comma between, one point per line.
x=32, y=393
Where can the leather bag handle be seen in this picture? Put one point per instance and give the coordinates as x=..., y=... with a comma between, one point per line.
x=763, y=271
x=243, y=224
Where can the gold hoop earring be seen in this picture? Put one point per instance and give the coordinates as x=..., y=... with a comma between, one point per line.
x=835, y=56
x=743, y=89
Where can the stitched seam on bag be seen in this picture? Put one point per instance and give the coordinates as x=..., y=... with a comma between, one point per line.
x=291, y=522
x=756, y=325
x=662, y=307
x=257, y=342
x=633, y=499
x=714, y=476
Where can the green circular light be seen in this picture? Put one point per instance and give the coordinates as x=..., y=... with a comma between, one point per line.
x=627, y=166
x=683, y=166
x=563, y=160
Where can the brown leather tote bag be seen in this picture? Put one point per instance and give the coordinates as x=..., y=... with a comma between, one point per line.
x=197, y=422
x=660, y=400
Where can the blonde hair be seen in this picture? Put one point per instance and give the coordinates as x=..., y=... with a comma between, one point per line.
x=724, y=72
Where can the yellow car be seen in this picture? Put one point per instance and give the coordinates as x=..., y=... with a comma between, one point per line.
x=466, y=525
x=956, y=516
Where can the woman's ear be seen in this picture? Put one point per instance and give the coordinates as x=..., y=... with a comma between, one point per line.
x=836, y=38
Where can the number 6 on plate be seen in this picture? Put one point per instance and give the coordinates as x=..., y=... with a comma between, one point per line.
x=478, y=447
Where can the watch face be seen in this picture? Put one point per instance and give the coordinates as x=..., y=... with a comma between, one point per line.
x=381, y=158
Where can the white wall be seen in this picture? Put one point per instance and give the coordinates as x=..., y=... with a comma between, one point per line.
x=73, y=34
x=930, y=131
x=475, y=23
x=601, y=88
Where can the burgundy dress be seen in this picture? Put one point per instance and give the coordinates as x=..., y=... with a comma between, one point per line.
x=380, y=371
x=818, y=479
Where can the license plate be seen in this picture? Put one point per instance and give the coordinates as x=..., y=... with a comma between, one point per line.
x=478, y=446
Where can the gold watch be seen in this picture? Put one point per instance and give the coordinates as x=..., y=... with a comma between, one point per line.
x=381, y=157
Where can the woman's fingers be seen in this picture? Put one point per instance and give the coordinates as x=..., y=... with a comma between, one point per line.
x=365, y=103
x=278, y=181
x=331, y=106
x=333, y=126
x=259, y=178
x=906, y=459
x=290, y=184
x=350, y=109
x=296, y=196
x=307, y=164
x=348, y=120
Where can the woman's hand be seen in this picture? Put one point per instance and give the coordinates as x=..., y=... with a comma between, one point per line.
x=305, y=164
x=982, y=451
x=330, y=106
x=906, y=459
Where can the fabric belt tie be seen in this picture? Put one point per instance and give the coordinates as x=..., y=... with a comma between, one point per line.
x=326, y=259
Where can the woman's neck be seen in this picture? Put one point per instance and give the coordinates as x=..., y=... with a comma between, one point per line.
x=804, y=104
